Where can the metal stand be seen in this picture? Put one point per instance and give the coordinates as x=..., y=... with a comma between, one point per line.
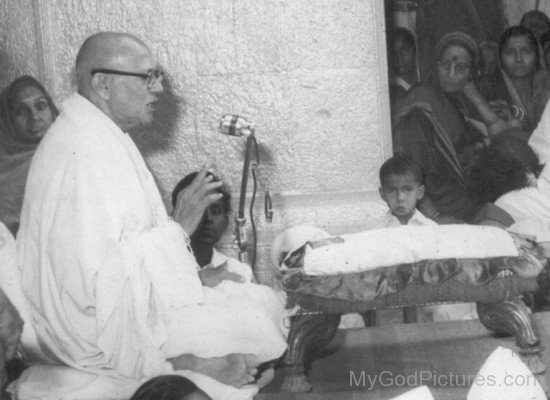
x=240, y=219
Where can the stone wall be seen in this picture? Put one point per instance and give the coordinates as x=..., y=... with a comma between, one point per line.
x=311, y=75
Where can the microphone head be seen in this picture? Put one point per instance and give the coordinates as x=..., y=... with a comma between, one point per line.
x=235, y=125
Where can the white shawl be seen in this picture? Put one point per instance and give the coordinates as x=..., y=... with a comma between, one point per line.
x=111, y=284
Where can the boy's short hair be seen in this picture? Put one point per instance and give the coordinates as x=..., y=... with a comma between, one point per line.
x=188, y=179
x=401, y=164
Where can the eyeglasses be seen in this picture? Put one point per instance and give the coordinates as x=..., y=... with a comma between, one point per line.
x=151, y=77
x=460, y=68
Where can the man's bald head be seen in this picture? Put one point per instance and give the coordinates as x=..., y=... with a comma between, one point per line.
x=121, y=87
x=110, y=50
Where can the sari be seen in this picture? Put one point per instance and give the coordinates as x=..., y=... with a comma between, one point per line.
x=500, y=87
x=15, y=158
x=430, y=127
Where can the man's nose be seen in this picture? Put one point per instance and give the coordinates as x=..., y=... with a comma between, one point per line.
x=519, y=57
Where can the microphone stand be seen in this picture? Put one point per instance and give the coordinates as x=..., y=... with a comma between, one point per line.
x=240, y=219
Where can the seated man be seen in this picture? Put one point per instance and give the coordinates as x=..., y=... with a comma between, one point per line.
x=215, y=266
x=110, y=288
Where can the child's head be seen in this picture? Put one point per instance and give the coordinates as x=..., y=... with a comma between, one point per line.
x=169, y=387
x=215, y=218
x=401, y=186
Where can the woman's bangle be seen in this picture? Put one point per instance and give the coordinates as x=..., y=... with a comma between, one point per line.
x=435, y=215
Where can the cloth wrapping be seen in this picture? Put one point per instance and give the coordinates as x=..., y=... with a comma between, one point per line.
x=111, y=286
x=403, y=245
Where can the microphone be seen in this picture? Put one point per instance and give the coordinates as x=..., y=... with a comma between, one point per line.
x=235, y=125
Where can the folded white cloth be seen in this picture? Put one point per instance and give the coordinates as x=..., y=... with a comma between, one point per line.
x=404, y=245
x=504, y=376
x=420, y=393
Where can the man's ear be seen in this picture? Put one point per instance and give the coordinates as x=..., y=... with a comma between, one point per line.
x=421, y=192
x=381, y=192
x=100, y=84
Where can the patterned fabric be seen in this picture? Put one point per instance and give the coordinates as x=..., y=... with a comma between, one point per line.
x=369, y=285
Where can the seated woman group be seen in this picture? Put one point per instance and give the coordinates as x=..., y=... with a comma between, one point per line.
x=443, y=123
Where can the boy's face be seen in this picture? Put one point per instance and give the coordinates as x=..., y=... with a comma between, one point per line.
x=401, y=193
x=213, y=224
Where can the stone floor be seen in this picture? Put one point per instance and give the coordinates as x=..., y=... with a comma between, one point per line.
x=393, y=352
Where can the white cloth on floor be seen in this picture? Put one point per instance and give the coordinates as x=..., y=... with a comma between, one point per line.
x=110, y=287
x=405, y=245
x=419, y=393
x=503, y=376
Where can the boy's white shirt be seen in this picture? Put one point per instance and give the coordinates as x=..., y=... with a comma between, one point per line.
x=233, y=265
x=391, y=221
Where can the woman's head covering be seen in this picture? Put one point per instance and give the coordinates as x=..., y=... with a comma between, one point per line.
x=518, y=31
x=10, y=143
x=15, y=154
x=460, y=39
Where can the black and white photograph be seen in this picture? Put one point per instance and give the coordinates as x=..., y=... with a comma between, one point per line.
x=274, y=199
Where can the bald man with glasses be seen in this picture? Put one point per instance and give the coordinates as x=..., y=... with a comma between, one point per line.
x=110, y=288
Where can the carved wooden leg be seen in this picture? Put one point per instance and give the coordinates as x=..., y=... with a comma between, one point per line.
x=309, y=333
x=511, y=318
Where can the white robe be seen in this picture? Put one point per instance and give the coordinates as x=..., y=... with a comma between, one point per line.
x=530, y=206
x=111, y=288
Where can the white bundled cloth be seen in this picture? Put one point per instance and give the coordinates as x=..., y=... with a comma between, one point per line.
x=404, y=245
x=111, y=285
x=504, y=376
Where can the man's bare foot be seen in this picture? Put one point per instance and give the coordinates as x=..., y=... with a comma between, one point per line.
x=266, y=377
x=231, y=369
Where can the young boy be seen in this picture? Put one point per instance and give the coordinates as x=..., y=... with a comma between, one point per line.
x=401, y=187
x=215, y=266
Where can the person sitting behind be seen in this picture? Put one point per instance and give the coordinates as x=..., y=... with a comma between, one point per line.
x=402, y=187
x=169, y=387
x=26, y=113
x=213, y=224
